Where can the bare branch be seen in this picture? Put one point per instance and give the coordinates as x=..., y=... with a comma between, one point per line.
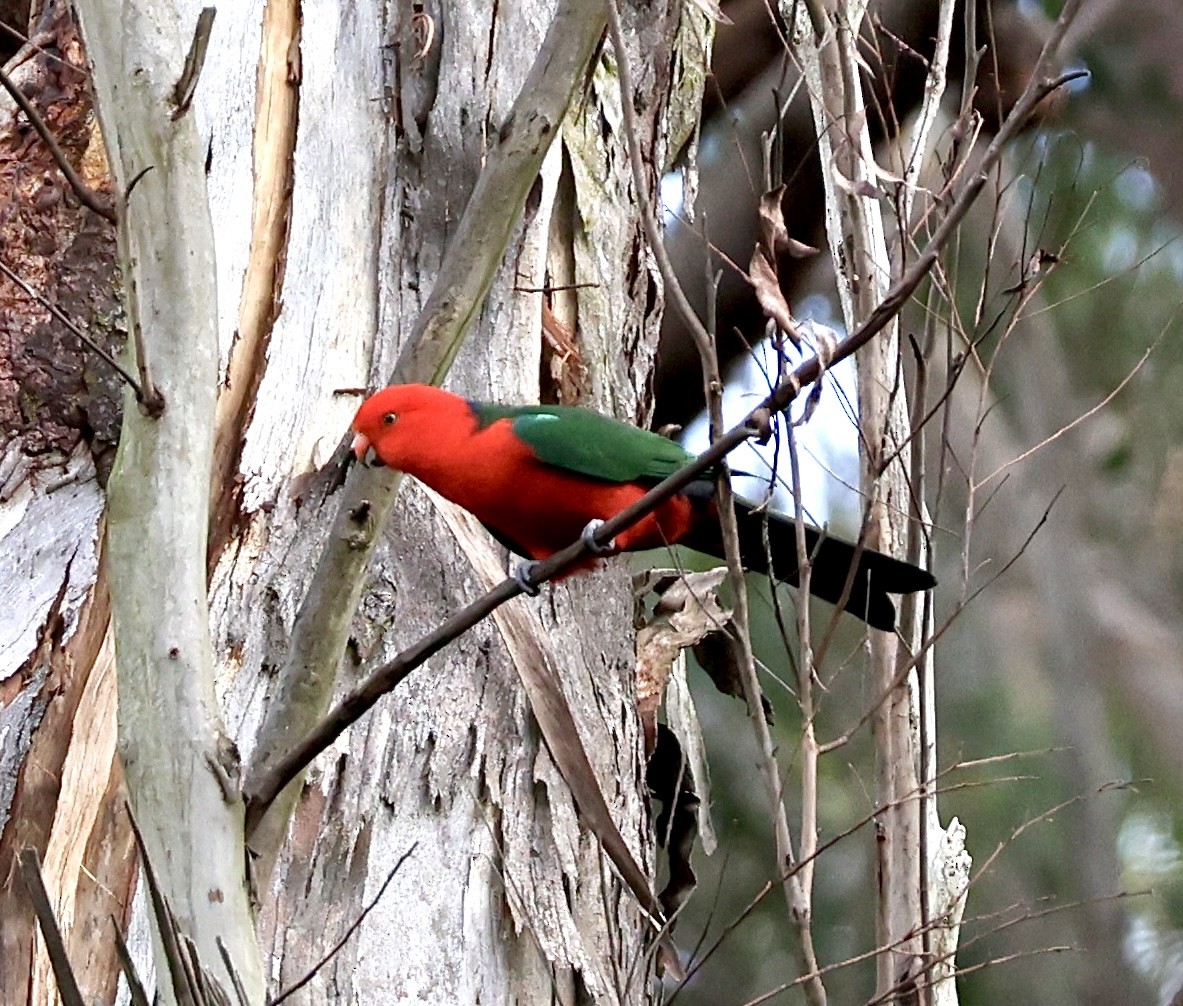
x=934, y=91
x=30, y=865
x=353, y=927
x=88, y=198
x=74, y=330
x=1075, y=422
x=135, y=987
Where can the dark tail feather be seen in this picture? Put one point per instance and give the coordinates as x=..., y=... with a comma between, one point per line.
x=877, y=575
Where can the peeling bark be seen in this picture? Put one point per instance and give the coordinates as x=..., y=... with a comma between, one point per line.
x=59, y=418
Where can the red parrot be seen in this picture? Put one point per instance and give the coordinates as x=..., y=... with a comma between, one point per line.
x=541, y=476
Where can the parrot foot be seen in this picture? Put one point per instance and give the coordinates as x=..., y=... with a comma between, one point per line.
x=523, y=572
x=588, y=537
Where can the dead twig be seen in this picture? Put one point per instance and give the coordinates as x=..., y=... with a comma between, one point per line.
x=353, y=927
x=32, y=45
x=185, y=971
x=90, y=199
x=1075, y=422
x=30, y=866
x=74, y=330
x=186, y=85
x=135, y=988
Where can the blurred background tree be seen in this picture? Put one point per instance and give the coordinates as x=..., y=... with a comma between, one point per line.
x=1074, y=658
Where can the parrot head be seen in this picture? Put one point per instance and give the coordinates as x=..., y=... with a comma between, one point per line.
x=395, y=425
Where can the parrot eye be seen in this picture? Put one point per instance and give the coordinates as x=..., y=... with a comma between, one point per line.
x=389, y=418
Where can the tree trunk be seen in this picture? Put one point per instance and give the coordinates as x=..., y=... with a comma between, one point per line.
x=922, y=871
x=333, y=197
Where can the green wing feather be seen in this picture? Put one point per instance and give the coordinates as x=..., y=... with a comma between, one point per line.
x=586, y=442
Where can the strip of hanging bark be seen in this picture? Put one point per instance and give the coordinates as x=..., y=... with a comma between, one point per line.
x=186, y=85
x=277, y=117
x=227, y=962
x=687, y=613
x=523, y=635
x=560, y=357
x=30, y=866
x=669, y=780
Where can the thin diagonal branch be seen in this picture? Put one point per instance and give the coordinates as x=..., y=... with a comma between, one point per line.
x=81, y=336
x=135, y=988
x=1075, y=422
x=90, y=199
x=353, y=927
x=30, y=866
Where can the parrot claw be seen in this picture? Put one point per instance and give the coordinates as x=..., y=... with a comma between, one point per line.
x=588, y=537
x=523, y=573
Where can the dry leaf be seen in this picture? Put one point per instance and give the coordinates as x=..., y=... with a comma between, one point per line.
x=799, y=249
x=774, y=235
x=863, y=187
x=763, y=270
x=713, y=10
x=688, y=610
x=672, y=785
x=825, y=344
x=766, y=285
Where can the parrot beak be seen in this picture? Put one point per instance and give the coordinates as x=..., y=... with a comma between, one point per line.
x=364, y=451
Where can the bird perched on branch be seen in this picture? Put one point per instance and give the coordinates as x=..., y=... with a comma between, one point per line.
x=539, y=477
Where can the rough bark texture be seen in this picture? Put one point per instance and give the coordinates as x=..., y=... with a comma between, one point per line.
x=59, y=417
x=505, y=898
x=512, y=161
